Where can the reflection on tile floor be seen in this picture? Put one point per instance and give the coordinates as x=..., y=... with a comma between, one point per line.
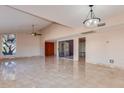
x=51, y=72
x=8, y=70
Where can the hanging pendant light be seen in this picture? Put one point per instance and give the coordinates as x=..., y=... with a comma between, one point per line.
x=91, y=20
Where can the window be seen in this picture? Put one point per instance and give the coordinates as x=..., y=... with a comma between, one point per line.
x=9, y=44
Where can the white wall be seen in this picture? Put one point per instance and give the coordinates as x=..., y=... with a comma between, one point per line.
x=27, y=45
x=101, y=47
x=96, y=48
x=56, y=31
x=76, y=50
x=55, y=48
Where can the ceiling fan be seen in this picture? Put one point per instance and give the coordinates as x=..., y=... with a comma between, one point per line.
x=35, y=33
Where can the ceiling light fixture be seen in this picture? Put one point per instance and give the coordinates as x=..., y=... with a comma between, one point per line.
x=91, y=20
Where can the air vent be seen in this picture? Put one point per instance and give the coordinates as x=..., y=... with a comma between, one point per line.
x=89, y=32
x=101, y=24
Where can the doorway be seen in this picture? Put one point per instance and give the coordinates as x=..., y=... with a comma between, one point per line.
x=82, y=52
x=49, y=49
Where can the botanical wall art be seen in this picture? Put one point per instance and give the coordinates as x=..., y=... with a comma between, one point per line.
x=8, y=44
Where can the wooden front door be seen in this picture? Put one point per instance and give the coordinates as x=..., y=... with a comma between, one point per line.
x=49, y=48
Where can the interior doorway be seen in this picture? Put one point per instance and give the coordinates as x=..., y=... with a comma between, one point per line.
x=82, y=52
x=49, y=49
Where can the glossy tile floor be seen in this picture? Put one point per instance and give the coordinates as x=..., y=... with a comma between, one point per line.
x=51, y=72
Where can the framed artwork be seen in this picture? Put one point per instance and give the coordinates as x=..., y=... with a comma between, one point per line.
x=8, y=44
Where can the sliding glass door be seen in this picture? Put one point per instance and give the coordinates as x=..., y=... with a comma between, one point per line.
x=66, y=49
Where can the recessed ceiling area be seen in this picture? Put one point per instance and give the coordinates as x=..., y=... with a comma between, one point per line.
x=71, y=15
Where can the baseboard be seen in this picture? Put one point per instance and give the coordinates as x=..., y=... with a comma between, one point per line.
x=108, y=66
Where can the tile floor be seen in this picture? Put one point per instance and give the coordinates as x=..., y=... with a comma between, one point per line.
x=39, y=72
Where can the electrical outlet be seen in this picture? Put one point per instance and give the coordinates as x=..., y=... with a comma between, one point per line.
x=111, y=61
